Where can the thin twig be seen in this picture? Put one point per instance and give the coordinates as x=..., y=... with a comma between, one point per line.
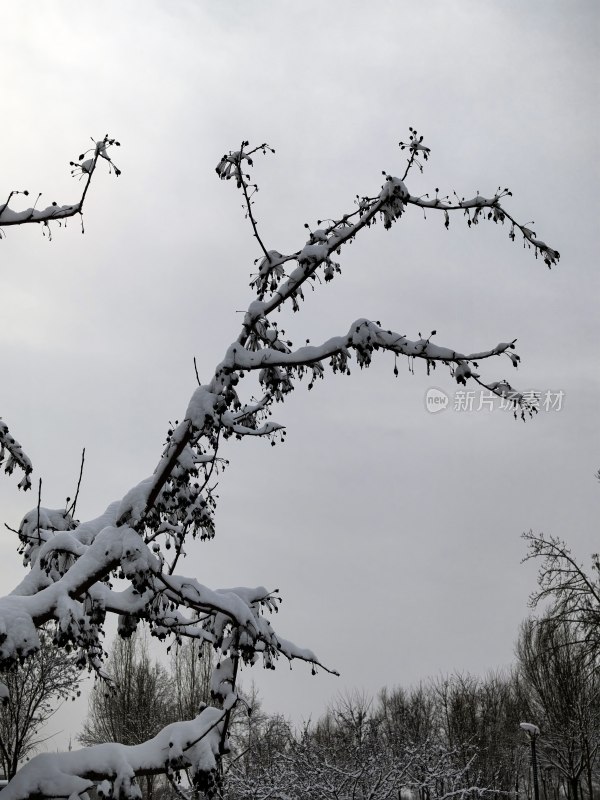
x=7, y=526
x=39, y=503
x=71, y=510
x=249, y=205
x=177, y=789
x=236, y=660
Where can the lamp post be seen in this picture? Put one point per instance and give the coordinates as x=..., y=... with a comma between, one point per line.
x=533, y=732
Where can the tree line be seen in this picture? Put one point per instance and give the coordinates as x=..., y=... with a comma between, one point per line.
x=451, y=737
x=456, y=736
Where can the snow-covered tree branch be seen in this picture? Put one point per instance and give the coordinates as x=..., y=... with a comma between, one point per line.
x=140, y=538
x=16, y=456
x=84, y=167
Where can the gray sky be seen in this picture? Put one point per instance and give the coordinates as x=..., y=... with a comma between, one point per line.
x=393, y=534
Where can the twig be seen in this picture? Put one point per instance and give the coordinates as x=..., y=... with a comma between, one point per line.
x=39, y=503
x=236, y=661
x=249, y=204
x=71, y=510
x=12, y=530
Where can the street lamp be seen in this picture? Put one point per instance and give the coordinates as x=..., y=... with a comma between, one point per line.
x=532, y=732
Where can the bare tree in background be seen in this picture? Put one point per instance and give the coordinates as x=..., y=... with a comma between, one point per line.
x=135, y=705
x=36, y=689
x=355, y=751
x=141, y=538
x=192, y=664
x=563, y=693
x=572, y=590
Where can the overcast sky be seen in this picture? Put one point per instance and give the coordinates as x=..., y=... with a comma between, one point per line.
x=393, y=534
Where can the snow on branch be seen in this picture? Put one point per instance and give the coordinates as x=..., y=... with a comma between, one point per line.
x=54, y=212
x=364, y=337
x=69, y=562
x=140, y=539
x=113, y=768
x=16, y=456
x=208, y=412
x=84, y=168
x=477, y=207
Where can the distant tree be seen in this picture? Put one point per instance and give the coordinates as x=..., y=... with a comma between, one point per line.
x=559, y=655
x=501, y=754
x=258, y=742
x=407, y=715
x=35, y=690
x=353, y=717
x=572, y=591
x=481, y=715
x=457, y=699
x=192, y=664
x=563, y=694
x=142, y=537
x=137, y=702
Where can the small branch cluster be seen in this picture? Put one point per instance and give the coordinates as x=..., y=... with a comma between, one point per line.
x=84, y=168
x=476, y=208
x=12, y=455
x=53, y=212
